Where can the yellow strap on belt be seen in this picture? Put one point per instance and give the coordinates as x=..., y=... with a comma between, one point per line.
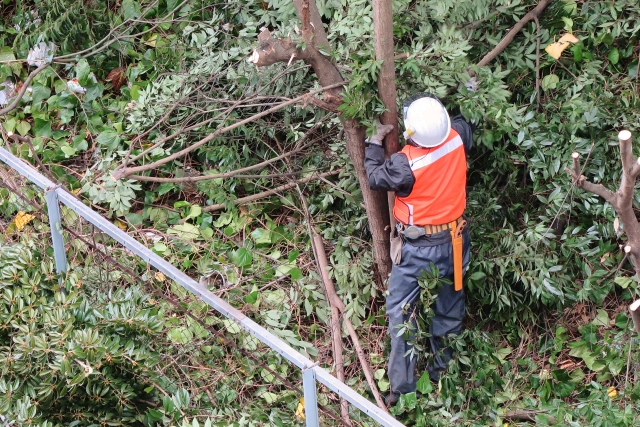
x=456, y=239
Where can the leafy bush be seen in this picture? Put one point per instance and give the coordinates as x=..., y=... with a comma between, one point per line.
x=68, y=361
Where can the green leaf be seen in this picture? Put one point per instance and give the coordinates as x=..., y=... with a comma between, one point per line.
x=408, y=401
x=614, y=56
x=242, y=257
x=43, y=128
x=602, y=318
x=269, y=397
x=109, y=139
x=23, y=127
x=231, y=326
x=251, y=298
x=478, y=275
x=633, y=69
x=39, y=94
x=164, y=188
x=185, y=231
x=83, y=71
x=194, y=212
x=261, y=236
x=424, y=384
x=130, y=9
x=295, y=273
x=550, y=82
x=622, y=321
x=68, y=150
x=180, y=335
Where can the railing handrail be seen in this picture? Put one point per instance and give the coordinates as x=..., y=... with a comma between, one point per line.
x=310, y=370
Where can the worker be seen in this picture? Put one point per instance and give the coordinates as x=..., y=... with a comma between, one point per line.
x=429, y=178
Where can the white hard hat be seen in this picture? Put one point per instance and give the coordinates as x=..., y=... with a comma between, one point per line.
x=426, y=121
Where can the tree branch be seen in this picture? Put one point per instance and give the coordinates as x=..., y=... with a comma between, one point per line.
x=124, y=172
x=331, y=291
x=580, y=181
x=235, y=173
x=25, y=86
x=258, y=196
x=508, y=38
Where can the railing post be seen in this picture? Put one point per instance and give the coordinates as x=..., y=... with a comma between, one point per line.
x=53, y=206
x=310, y=398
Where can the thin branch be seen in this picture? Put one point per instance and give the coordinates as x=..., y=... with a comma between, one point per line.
x=235, y=173
x=25, y=86
x=258, y=196
x=124, y=172
x=508, y=38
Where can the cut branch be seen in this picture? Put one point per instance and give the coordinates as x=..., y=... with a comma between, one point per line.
x=622, y=199
x=229, y=174
x=258, y=196
x=124, y=172
x=635, y=315
x=331, y=292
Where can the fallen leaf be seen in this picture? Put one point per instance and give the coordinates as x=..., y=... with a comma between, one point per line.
x=117, y=77
x=612, y=392
x=556, y=49
x=21, y=220
x=300, y=409
x=160, y=277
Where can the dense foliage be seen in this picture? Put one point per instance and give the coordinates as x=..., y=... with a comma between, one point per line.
x=546, y=295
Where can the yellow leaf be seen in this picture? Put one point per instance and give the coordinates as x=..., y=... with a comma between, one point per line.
x=556, y=49
x=160, y=277
x=121, y=225
x=77, y=191
x=612, y=392
x=151, y=41
x=21, y=220
x=300, y=409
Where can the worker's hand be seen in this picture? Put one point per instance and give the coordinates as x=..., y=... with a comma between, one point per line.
x=380, y=132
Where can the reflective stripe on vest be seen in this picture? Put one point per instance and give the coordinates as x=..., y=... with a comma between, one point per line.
x=438, y=195
x=428, y=159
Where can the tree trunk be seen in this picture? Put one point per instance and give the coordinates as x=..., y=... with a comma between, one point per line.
x=272, y=50
x=384, y=46
x=375, y=202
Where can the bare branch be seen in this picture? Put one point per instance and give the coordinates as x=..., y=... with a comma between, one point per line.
x=254, y=197
x=25, y=86
x=321, y=255
x=124, y=172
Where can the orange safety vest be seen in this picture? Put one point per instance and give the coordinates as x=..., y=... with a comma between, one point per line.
x=438, y=195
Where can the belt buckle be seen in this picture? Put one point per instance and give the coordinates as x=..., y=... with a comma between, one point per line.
x=413, y=232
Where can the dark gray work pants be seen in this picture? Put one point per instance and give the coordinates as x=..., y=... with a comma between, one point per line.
x=449, y=306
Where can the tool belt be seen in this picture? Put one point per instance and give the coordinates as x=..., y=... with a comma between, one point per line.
x=455, y=228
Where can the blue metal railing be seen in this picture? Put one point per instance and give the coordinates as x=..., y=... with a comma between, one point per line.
x=311, y=372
